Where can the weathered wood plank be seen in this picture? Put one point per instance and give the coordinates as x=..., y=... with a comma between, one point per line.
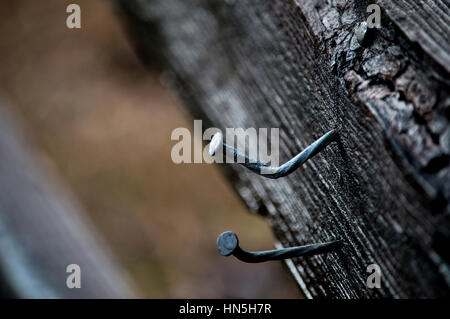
x=426, y=22
x=42, y=230
x=297, y=65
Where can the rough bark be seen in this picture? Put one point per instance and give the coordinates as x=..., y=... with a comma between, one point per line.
x=384, y=187
x=43, y=230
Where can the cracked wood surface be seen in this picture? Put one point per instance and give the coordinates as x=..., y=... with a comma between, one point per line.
x=384, y=187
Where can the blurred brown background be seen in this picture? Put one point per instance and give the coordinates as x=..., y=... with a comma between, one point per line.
x=104, y=122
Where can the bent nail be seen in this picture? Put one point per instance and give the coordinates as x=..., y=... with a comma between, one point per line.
x=228, y=244
x=272, y=171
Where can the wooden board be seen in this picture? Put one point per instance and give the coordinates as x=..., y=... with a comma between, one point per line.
x=384, y=187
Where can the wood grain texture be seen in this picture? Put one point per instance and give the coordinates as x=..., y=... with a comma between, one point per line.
x=426, y=22
x=297, y=65
x=43, y=230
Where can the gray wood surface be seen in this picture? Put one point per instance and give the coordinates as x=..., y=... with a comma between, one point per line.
x=426, y=22
x=43, y=229
x=384, y=187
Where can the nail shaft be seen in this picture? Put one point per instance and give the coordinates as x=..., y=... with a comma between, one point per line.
x=285, y=169
x=228, y=244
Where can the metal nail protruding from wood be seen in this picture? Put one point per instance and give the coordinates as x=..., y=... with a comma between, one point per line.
x=271, y=171
x=228, y=244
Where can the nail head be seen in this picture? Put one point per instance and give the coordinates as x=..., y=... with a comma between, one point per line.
x=216, y=142
x=227, y=243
